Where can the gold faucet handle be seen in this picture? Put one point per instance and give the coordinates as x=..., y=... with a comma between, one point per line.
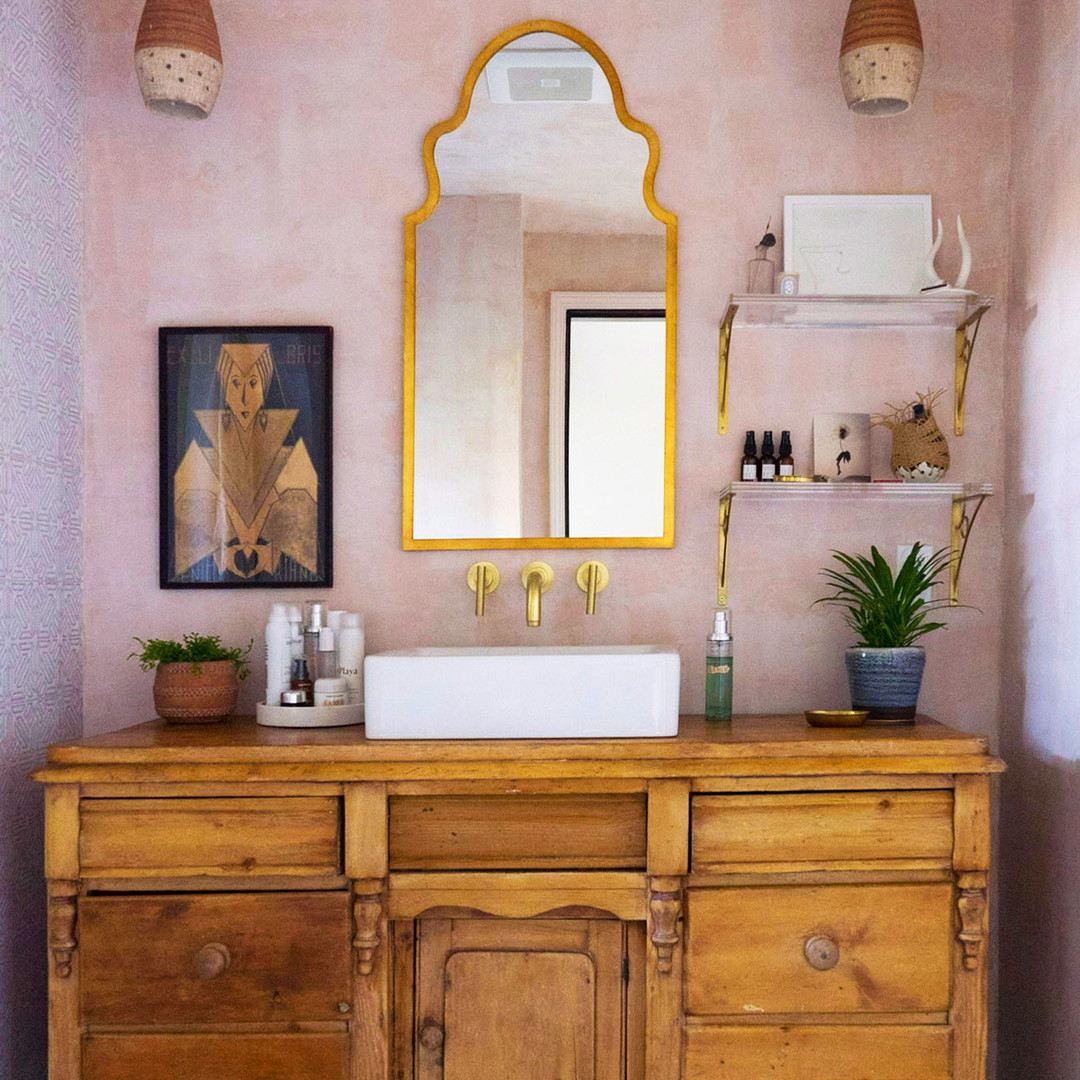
x=592, y=577
x=483, y=578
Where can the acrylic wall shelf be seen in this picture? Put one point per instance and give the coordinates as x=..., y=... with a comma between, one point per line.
x=962, y=314
x=965, y=499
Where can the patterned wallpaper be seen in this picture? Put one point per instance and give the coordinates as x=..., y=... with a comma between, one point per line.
x=40, y=481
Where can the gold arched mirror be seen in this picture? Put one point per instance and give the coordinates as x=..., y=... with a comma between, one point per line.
x=540, y=312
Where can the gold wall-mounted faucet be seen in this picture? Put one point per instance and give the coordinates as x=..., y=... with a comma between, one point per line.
x=536, y=578
x=483, y=578
x=592, y=577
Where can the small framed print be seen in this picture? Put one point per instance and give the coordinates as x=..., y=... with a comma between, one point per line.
x=245, y=456
x=842, y=446
x=787, y=284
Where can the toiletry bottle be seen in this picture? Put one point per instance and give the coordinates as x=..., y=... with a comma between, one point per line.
x=331, y=690
x=749, y=461
x=301, y=679
x=333, y=620
x=767, y=469
x=718, y=650
x=296, y=631
x=786, y=464
x=351, y=656
x=315, y=621
x=326, y=662
x=277, y=653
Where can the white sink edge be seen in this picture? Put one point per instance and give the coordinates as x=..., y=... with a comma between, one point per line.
x=523, y=692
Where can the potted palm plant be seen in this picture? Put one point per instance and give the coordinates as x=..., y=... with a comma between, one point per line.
x=888, y=613
x=197, y=680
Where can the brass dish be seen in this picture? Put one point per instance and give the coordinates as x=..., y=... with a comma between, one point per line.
x=836, y=717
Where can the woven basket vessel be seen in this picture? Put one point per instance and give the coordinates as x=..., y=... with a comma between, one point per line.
x=919, y=449
x=196, y=693
x=881, y=56
x=178, y=58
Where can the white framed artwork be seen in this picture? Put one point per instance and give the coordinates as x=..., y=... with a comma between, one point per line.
x=842, y=446
x=857, y=245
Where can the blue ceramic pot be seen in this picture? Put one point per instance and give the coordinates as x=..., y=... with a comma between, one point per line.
x=885, y=681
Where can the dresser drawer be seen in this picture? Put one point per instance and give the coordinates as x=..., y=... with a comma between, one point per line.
x=877, y=948
x=828, y=829
x=216, y=837
x=321, y=1056
x=208, y=958
x=506, y=832
x=815, y=1052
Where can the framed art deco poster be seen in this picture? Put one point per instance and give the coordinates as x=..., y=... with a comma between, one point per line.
x=245, y=456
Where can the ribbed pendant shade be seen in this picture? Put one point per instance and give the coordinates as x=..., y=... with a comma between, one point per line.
x=881, y=56
x=178, y=58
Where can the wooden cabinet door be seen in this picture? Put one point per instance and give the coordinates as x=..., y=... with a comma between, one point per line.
x=537, y=999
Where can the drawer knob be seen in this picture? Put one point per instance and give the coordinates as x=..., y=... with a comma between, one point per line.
x=822, y=953
x=431, y=1035
x=211, y=960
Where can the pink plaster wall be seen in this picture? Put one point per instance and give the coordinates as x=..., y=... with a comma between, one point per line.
x=1040, y=921
x=286, y=205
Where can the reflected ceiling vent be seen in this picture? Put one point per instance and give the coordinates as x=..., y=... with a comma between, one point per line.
x=515, y=76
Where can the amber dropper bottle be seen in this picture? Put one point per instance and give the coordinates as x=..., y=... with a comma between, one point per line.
x=767, y=470
x=786, y=464
x=749, y=469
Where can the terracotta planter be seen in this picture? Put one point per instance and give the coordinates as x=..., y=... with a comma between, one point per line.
x=196, y=693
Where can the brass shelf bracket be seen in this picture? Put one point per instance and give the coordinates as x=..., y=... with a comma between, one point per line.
x=962, y=522
x=725, y=352
x=722, y=550
x=966, y=333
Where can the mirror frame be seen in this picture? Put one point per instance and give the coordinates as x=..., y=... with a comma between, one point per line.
x=669, y=220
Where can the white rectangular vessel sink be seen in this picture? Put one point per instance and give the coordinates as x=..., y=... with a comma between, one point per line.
x=522, y=692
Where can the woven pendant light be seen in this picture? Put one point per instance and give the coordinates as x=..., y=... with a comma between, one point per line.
x=178, y=58
x=881, y=56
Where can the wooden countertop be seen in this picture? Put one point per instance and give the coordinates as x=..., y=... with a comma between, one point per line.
x=240, y=749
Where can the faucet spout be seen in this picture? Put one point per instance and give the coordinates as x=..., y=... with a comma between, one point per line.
x=536, y=579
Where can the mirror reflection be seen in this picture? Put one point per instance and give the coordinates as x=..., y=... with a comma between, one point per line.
x=542, y=363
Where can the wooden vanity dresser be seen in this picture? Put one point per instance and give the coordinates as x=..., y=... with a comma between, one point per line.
x=756, y=901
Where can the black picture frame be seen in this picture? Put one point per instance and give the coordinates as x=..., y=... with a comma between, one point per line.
x=245, y=457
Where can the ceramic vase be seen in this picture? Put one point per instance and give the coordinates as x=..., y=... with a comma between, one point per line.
x=178, y=58
x=885, y=681
x=881, y=56
x=196, y=693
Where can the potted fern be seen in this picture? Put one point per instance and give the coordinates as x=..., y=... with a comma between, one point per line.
x=888, y=613
x=197, y=680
